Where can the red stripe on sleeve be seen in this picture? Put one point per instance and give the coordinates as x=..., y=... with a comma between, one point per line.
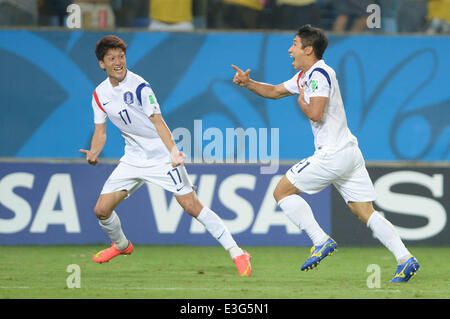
x=298, y=80
x=98, y=102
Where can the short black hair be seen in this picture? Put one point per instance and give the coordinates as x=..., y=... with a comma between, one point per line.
x=109, y=42
x=315, y=37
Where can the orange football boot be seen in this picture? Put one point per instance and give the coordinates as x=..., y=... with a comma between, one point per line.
x=111, y=252
x=243, y=264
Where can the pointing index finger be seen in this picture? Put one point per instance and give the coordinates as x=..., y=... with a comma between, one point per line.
x=236, y=68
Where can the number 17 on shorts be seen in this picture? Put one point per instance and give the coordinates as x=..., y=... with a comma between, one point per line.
x=175, y=175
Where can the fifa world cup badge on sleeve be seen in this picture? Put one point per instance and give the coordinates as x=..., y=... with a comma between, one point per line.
x=128, y=97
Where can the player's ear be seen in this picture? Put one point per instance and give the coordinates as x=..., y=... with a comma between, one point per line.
x=309, y=50
x=102, y=64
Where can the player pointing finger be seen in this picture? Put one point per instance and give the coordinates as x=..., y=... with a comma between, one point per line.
x=337, y=158
x=241, y=78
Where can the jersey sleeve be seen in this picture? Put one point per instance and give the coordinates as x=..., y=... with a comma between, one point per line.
x=320, y=84
x=100, y=115
x=292, y=85
x=149, y=102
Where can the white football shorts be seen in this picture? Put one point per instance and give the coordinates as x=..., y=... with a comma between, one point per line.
x=130, y=178
x=345, y=169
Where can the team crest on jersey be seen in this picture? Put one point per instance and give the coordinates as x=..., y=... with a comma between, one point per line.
x=314, y=85
x=128, y=97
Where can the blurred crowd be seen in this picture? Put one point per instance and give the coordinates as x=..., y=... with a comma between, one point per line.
x=409, y=16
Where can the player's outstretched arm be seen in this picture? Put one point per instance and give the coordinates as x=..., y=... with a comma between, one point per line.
x=266, y=90
x=167, y=138
x=97, y=143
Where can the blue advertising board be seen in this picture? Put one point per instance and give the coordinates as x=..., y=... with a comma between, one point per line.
x=395, y=90
x=52, y=203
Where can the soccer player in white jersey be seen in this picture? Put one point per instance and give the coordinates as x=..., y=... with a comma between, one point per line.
x=337, y=158
x=151, y=154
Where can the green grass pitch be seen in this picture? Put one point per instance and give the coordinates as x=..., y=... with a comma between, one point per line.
x=188, y=272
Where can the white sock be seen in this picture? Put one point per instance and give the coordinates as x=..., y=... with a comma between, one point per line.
x=235, y=251
x=113, y=229
x=215, y=226
x=385, y=232
x=300, y=213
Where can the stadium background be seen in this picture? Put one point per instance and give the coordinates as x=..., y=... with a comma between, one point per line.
x=394, y=86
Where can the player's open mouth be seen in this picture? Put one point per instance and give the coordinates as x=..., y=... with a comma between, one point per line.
x=119, y=69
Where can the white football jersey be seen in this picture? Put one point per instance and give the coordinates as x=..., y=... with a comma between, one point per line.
x=129, y=106
x=331, y=132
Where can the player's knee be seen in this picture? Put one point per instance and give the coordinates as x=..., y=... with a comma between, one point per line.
x=192, y=207
x=278, y=193
x=279, y=196
x=101, y=212
x=362, y=210
x=282, y=191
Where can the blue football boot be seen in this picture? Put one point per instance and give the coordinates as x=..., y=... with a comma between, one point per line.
x=406, y=270
x=318, y=253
